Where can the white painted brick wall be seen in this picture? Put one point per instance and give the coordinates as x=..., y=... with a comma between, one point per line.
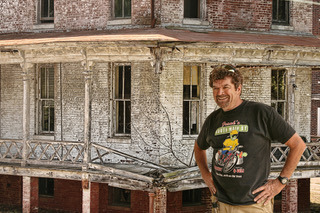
x=11, y=101
x=150, y=138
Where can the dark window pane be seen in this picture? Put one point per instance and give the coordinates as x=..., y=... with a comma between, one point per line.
x=51, y=83
x=191, y=197
x=51, y=9
x=120, y=116
x=43, y=85
x=120, y=197
x=195, y=91
x=46, y=186
x=186, y=91
x=186, y=117
x=44, y=8
x=274, y=85
x=281, y=85
x=191, y=9
x=280, y=12
x=118, y=8
x=45, y=117
x=280, y=108
x=194, y=117
x=119, y=82
x=51, y=119
x=127, y=8
x=128, y=117
x=127, y=82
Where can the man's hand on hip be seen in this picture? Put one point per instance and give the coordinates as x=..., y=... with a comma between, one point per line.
x=268, y=191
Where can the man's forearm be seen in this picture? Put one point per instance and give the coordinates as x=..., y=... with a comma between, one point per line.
x=201, y=159
x=297, y=147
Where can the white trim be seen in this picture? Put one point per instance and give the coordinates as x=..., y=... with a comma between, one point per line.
x=119, y=22
x=43, y=26
x=190, y=21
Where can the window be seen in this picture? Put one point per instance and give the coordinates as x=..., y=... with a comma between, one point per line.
x=122, y=102
x=191, y=8
x=122, y=8
x=46, y=186
x=46, y=11
x=280, y=12
x=191, y=197
x=278, y=91
x=46, y=100
x=191, y=100
x=119, y=197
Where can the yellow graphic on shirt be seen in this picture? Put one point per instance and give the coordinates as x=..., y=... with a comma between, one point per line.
x=231, y=143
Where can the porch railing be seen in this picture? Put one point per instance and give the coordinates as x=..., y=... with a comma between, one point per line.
x=71, y=154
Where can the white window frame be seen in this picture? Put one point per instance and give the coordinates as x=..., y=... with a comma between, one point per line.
x=275, y=102
x=123, y=12
x=45, y=20
x=193, y=100
x=39, y=115
x=116, y=100
x=286, y=11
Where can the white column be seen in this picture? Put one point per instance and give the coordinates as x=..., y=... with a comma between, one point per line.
x=26, y=109
x=26, y=194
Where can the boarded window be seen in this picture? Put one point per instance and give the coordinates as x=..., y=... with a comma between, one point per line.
x=191, y=100
x=122, y=8
x=46, y=186
x=122, y=102
x=46, y=11
x=278, y=91
x=280, y=12
x=46, y=100
x=191, y=8
x=191, y=197
x=119, y=197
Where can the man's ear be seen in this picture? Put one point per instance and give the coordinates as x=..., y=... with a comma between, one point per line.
x=239, y=89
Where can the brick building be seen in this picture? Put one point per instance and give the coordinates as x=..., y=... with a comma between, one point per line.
x=101, y=101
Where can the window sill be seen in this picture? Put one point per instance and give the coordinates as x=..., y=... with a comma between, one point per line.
x=120, y=139
x=43, y=26
x=191, y=21
x=119, y=22
x=44, y=137
x=281, y=27
x=189, y=137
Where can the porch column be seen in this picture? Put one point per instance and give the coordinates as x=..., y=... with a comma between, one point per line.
x=26, y=67
x=90, y=196
x=87, y=112
x=151, y=202
x=30, y=194
x=160, y=201
x=289, y=202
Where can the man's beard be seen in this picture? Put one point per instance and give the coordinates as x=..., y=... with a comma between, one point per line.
x=223, y=103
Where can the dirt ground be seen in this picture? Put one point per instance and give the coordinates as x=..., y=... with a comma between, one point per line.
x=315, y=194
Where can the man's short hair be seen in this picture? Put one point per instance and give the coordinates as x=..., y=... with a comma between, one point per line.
x=226, y=70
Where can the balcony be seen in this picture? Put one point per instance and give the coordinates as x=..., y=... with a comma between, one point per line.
x=73, y=160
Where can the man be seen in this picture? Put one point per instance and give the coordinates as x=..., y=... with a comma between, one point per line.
x=239, y=177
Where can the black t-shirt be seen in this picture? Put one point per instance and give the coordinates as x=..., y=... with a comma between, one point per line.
x=241, y=141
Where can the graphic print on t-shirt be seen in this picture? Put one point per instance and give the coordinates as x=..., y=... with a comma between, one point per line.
x=229, y=159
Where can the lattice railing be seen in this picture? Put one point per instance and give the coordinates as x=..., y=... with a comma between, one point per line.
x=71, y=154
x=279, y=154
x=42, y=152
x=55, y=152
x=11, y=151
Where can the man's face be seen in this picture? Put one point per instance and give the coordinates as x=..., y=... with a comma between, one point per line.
x=225, y=94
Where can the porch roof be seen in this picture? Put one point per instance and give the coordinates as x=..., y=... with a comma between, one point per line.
x=158, y=35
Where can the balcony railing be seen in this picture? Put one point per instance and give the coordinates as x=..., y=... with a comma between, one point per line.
x=71, y=154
